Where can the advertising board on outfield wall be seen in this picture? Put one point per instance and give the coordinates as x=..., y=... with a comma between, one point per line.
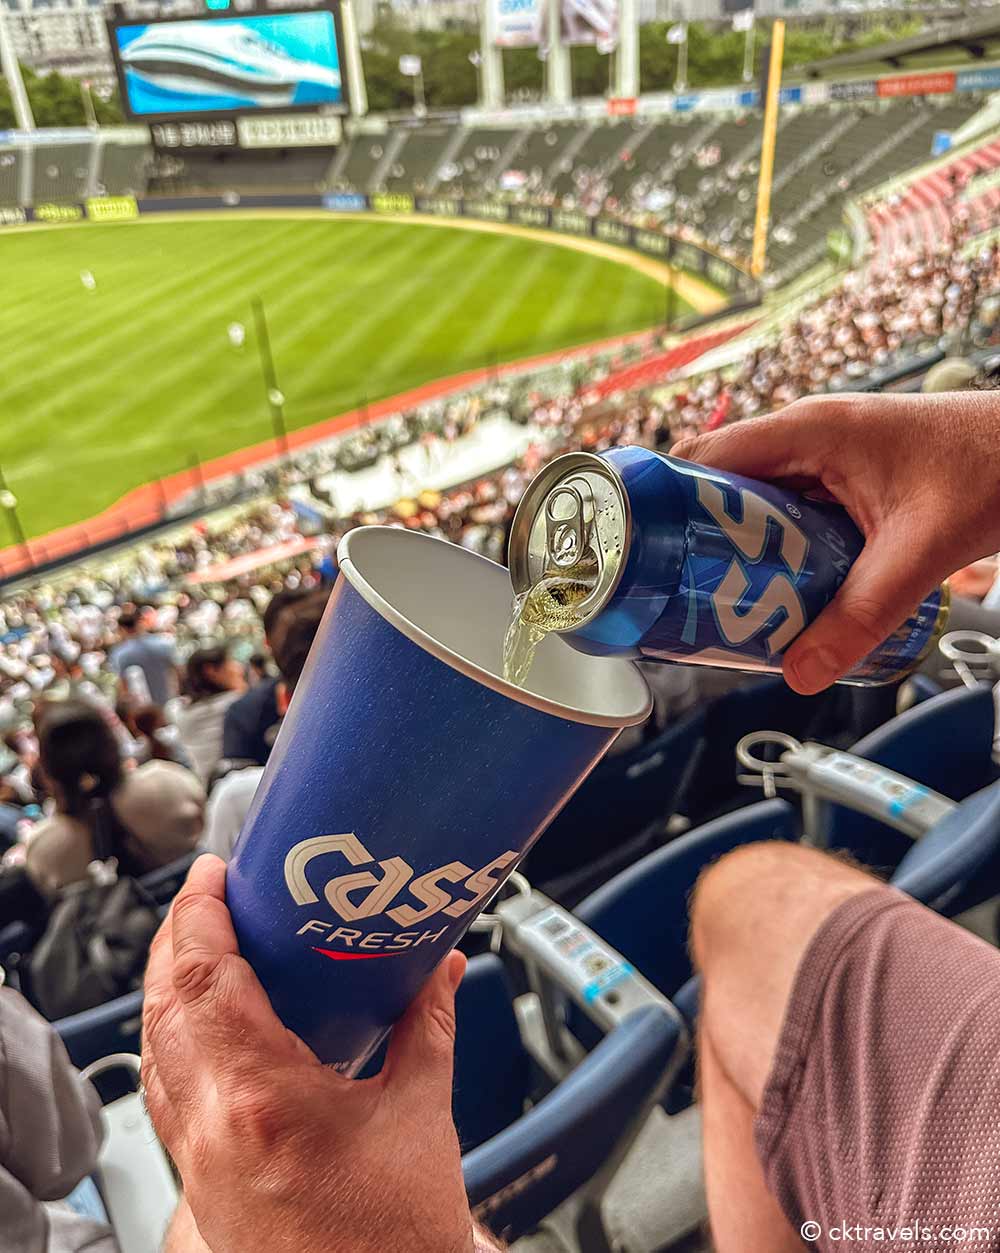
x=719, y=99
x=345, y=202
x=112, y=208
x=684, y=254
x=55, y=214
x=937, y=84
x=987, y=79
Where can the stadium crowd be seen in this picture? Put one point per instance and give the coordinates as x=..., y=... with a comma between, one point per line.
x=64, y=638
x=175, y=598
x=140, y=694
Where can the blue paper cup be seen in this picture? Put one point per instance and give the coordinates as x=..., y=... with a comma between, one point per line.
x=407, y=782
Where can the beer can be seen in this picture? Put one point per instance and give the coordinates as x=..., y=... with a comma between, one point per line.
x=691, y=564
x=406, y=783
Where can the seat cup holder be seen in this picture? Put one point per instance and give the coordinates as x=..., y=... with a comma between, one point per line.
x=974, y=655
x=769, y=774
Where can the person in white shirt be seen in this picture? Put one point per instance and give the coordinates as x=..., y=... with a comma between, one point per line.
x=212, y=681
x=291, y=638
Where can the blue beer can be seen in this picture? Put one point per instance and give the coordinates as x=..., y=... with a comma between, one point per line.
x=671, y=561
x=406, y=783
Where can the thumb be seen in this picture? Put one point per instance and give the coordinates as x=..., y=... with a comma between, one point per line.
x=883, y=588
x=422, y=1047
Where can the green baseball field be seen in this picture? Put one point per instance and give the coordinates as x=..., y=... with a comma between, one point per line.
x=118, y=364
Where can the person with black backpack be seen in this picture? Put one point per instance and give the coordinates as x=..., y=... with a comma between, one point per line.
x=86, y=860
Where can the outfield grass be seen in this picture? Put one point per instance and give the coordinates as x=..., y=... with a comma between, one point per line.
x=101, y=390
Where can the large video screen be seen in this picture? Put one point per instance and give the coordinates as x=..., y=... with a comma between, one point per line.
x=230, y=64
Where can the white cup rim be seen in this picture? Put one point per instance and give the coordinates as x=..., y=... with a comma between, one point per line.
x=638, y=710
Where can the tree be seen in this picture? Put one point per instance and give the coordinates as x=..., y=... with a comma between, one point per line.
x=715, y=58
x=56, y=101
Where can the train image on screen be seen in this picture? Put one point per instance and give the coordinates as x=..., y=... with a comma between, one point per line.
x=202, y=65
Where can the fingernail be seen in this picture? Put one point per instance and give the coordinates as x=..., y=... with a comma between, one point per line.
x=682, y=449
x=815, y=669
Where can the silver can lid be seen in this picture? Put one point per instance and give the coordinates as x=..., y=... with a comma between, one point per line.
x=574, y=512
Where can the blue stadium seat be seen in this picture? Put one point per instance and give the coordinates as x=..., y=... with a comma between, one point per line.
x=164, y=884
x=99, y=1032
x=493, y=1072
x=944, y=743
x=643, y=912
x=523, y=1172
x=618, y=815
x=838, y=716
x=956, y=865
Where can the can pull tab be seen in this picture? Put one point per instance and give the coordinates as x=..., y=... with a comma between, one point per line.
x=568, y=530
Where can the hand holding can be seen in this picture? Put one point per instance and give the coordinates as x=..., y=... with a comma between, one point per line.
x=917, y=474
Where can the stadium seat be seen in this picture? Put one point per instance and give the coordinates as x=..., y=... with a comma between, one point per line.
x=164, y=884
x=99, y=1032
x=838, y=715
x=643, y=912
x=137, y=1187
x=493, y=1072
x=944, y=743
x=539, y=1159
x=957, y=864
x=619, y=814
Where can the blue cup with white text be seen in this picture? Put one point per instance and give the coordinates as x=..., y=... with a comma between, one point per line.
x=407, y=782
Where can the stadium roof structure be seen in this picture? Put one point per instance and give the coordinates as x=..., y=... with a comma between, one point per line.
x=978, y=37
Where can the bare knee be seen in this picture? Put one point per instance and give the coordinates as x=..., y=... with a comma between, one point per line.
x=759, y=889
x=753, y=916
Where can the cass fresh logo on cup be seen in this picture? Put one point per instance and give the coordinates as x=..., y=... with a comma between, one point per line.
x=407, y=902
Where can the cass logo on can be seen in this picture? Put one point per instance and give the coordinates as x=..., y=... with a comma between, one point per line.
x=405, y=900
x=738, y=622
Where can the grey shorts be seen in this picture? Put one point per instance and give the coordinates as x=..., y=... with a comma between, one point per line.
x=880, y=1121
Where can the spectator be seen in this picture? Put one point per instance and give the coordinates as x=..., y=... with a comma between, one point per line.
x=212, y=682
x=156, y=738
x=50, y=1134
x=836, y=1012
x=153, y=655
x=231, y=799
x=258, y=669
x=251, y=722
x=151, y=815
